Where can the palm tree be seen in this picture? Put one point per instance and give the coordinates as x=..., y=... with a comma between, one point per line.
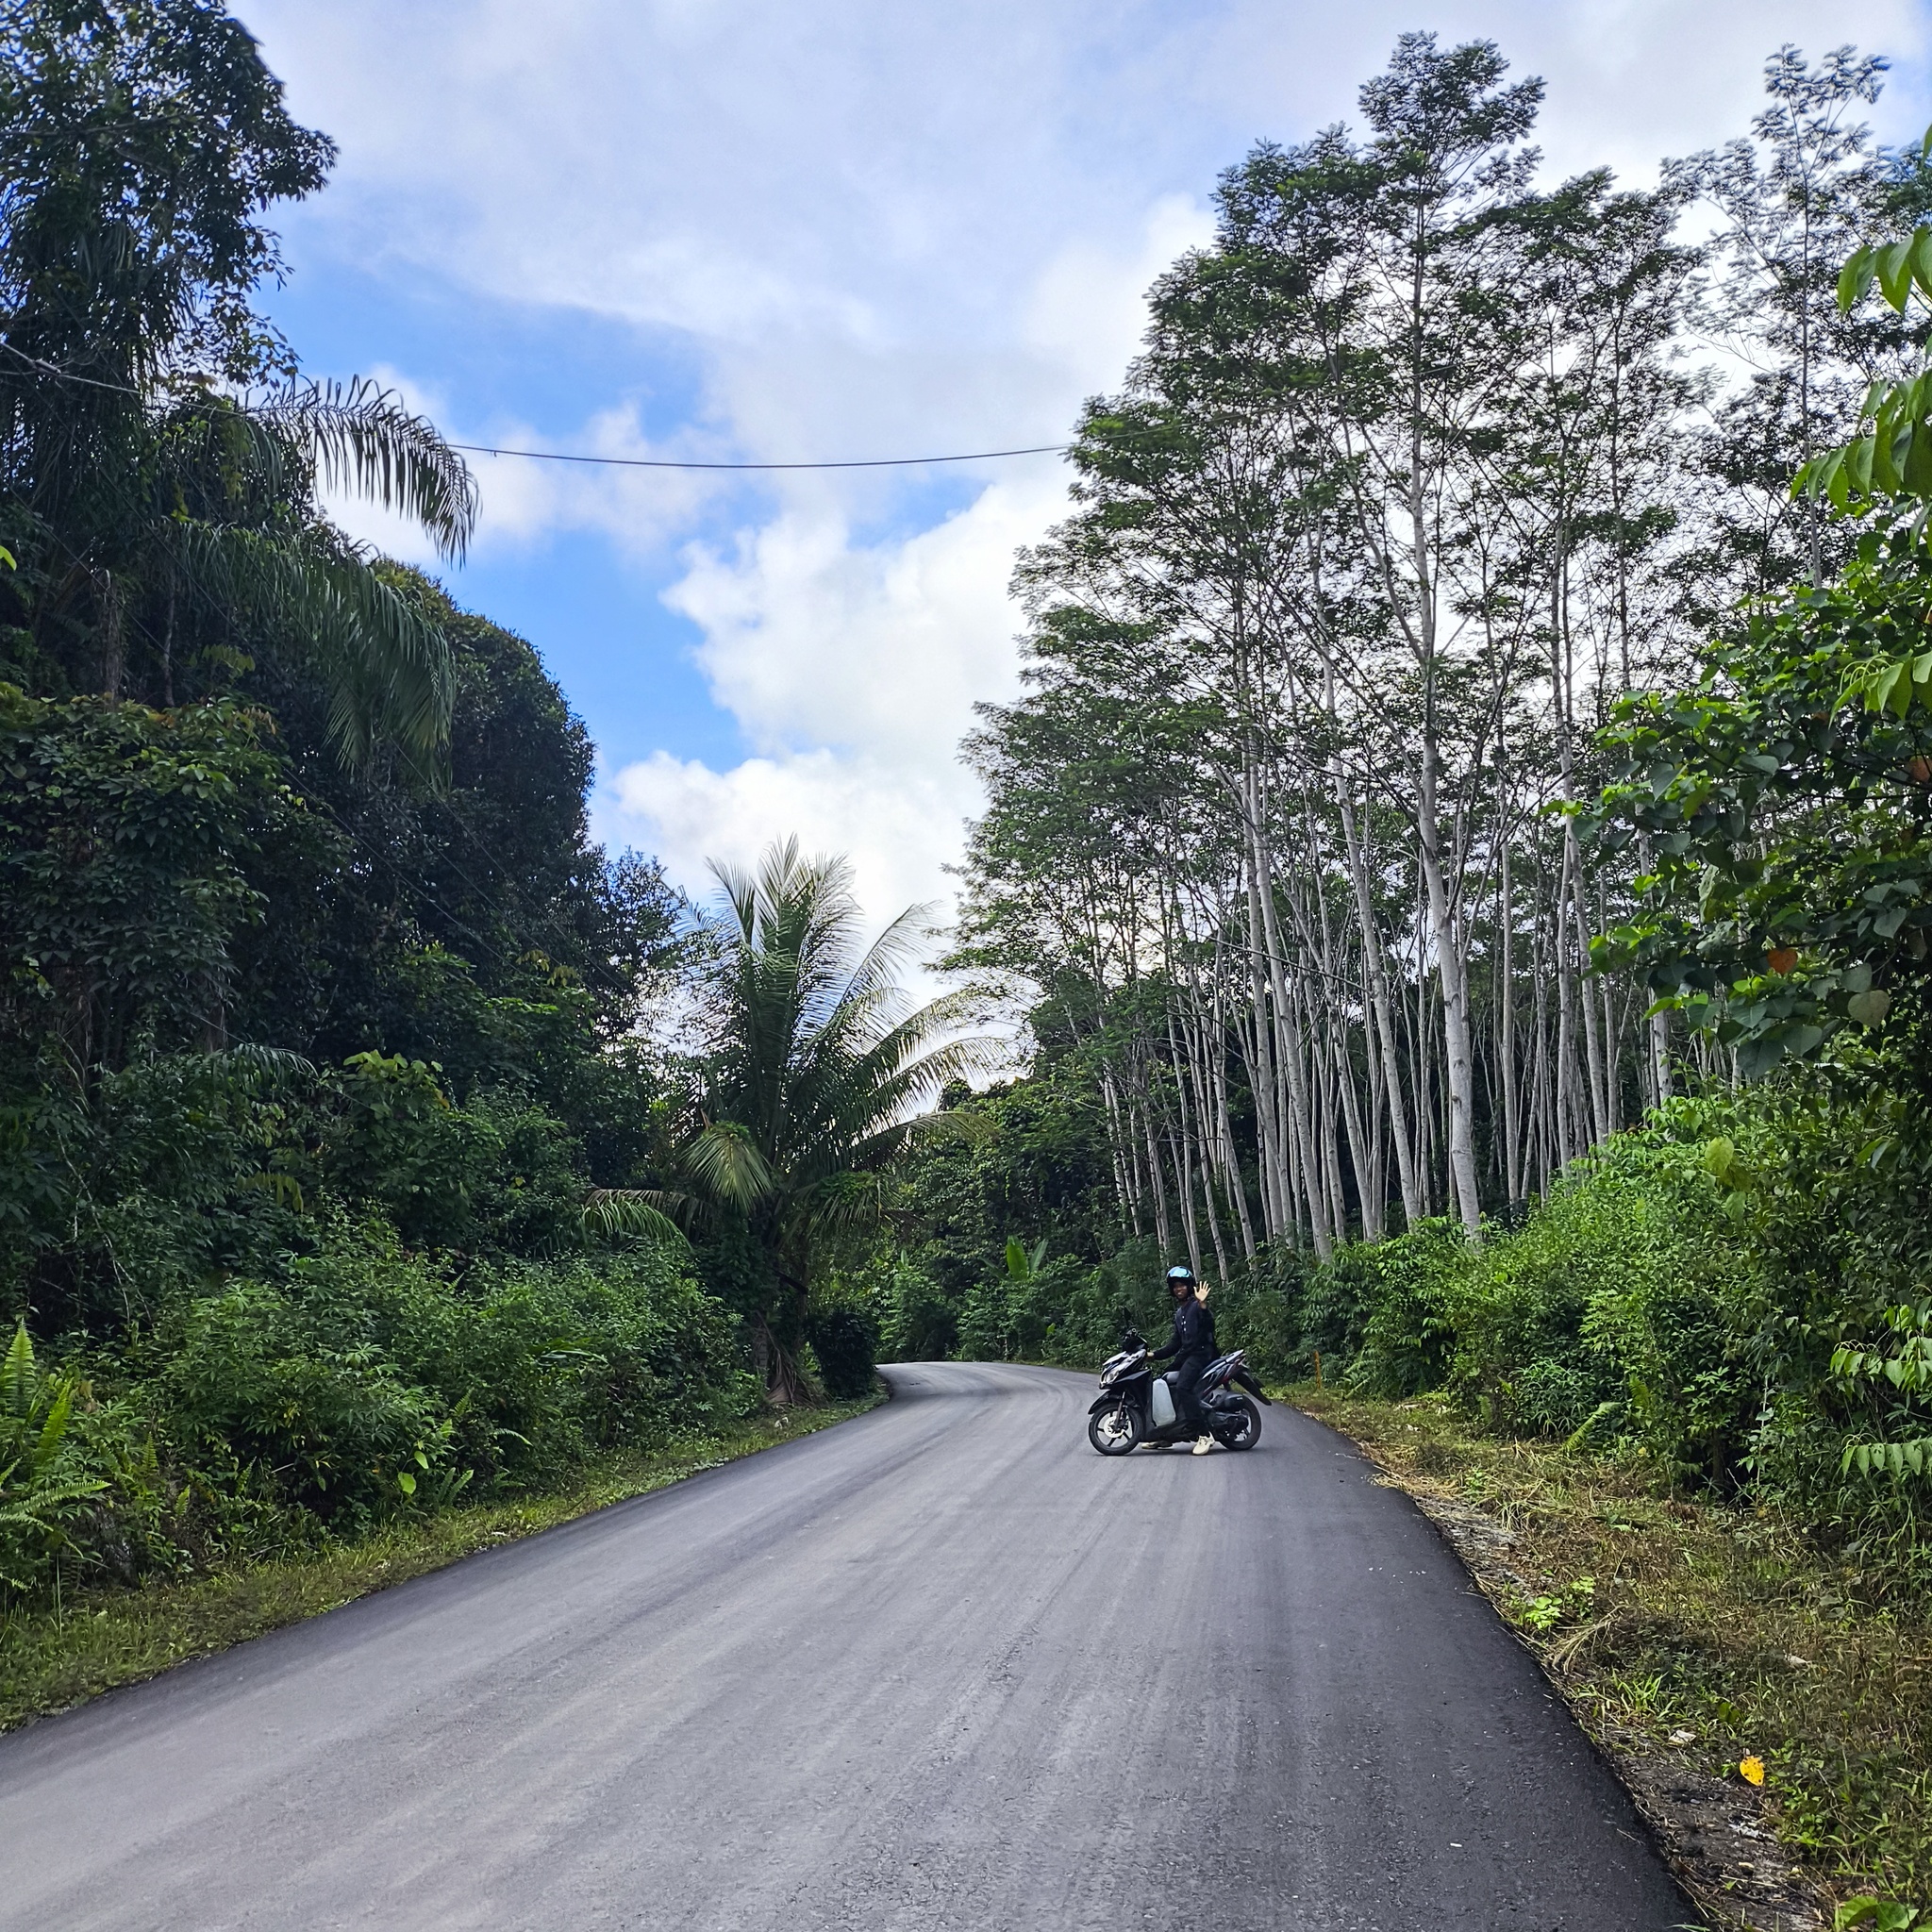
x=234, y=531
x=159, y=461
x=814, y=1080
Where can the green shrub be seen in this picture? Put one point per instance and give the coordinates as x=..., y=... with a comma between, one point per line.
x=988, y=1328
x=82, y=1490
x=262, y=1415
x=46, y=1487
x=1406, y=1289
x=846, y=1341
x=302, y=1391
x=1554, y=1397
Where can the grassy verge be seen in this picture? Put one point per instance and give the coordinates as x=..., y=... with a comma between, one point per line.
x=1702, y=1648
x=50, y=1660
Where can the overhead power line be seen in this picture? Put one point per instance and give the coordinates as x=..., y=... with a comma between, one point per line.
x=555, y=455
x=552, y=455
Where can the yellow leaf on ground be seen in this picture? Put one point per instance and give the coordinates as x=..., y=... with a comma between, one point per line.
x=1751, y=1771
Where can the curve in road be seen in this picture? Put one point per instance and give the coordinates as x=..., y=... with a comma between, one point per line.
x=941, y=1667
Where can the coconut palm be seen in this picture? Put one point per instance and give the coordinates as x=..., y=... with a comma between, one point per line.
x=817, y=1075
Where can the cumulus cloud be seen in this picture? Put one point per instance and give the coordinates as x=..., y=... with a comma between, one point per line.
x=861, y=228
x=854, y=670
x=888, y=818
x=853, y=667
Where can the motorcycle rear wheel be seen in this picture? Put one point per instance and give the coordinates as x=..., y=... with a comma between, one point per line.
x=1114, y=1432
x=1243, y=1427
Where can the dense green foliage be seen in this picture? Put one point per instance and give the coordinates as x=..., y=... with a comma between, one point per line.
x=1791, y=824
x=255, y=1413
x=319, y=1008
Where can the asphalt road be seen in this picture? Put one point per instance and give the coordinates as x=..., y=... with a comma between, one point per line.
x=942, y=1667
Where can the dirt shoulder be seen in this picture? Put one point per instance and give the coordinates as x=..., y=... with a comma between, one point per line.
x=1698, y=1646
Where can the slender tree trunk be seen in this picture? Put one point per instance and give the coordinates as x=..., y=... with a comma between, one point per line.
x=1377, y=978
x=1451, y=970
x=1506, y=1030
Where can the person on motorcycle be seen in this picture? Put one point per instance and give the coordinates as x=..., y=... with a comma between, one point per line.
x=1193, y=1340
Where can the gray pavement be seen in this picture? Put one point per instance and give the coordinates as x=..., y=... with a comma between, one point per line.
x=942, y=1667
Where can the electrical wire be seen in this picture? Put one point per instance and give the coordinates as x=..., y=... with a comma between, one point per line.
x=551, y=456
x=555, y=455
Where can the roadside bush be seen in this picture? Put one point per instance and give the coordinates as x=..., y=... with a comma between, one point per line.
x=302, y=1392
x=986, y=1324
x=358, y=1381
x=1737, y=1290
x=1405, y=1288
x=846, y=1341
x=1824, y=1178
x=1621, y=1307
x=370, y=1371
x=82, y=1490
x=45, y=1485
x=922, y=1324
x=1258, y=1316
x=496, y=1175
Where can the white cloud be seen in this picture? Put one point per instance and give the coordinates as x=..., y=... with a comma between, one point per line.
x=853, y=667
x=887, y=819
x=811, y=639
x=894, y=175
x=854, y=672
x=864, y=228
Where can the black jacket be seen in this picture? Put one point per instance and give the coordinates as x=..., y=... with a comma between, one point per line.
x=1193, y=1332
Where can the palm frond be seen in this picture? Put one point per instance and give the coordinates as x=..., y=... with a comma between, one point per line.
x=725, y=1161
x=620, y=1213
x=20, y=1380
x=877, y=971
x=974, y=1129
x=388, y=667
x=365, y=438
x=261, y=1066
x=846, y=1096
x=845, y=1201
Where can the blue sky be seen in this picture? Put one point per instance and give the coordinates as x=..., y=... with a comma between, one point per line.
x=754, y=230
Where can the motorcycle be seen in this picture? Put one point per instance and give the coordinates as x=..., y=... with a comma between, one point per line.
x=1135, y=1406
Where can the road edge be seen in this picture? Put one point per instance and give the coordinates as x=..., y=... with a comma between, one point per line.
x=1679, y=1809
x=51, y=1661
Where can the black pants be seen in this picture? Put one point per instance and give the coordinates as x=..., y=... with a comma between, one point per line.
x=1186, y=1378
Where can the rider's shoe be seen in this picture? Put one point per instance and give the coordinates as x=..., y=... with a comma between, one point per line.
x=1203, y=1443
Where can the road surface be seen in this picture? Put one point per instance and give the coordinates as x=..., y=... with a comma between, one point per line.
x=941, y=1667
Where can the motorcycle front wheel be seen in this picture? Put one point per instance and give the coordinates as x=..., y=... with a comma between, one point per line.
x=1241, y=1429
x=1114, y=1432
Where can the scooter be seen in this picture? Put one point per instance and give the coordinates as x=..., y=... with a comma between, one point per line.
x=1135, y=1406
